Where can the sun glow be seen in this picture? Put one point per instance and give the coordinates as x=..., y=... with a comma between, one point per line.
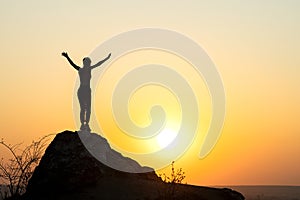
x=165, y=137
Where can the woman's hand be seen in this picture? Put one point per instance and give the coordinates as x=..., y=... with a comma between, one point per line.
x=64, y=54
x=108, y=56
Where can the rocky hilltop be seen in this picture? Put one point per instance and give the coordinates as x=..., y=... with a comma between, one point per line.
x=68, y=171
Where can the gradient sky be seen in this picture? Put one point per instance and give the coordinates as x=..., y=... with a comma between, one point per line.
x=254, y=44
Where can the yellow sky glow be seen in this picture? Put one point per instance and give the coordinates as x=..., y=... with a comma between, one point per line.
x=255, y=46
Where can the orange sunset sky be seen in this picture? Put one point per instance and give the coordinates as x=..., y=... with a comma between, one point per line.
x=255, y=46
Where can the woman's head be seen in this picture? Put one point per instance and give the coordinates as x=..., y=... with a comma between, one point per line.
x=86, y=62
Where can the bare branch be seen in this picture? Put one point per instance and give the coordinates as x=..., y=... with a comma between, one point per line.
x=17, y=170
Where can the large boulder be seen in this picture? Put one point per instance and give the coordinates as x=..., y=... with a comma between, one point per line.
x=69, y=171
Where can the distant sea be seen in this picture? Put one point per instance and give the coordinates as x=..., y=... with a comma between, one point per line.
x=268, y=192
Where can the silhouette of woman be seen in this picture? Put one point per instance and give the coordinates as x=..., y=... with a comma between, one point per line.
x=84, y=91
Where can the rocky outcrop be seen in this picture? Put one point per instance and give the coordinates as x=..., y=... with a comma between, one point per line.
x=68, y=171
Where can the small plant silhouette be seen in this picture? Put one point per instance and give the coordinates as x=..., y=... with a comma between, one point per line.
x=16, y=171
x=173, y=180
x=177, y=176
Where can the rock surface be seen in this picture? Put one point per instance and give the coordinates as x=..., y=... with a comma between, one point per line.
x=68, y=171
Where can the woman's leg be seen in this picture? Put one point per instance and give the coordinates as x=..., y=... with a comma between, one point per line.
x=88, y=108
x=81, y=99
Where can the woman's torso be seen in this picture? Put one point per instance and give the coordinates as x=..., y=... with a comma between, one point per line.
x=85, y=76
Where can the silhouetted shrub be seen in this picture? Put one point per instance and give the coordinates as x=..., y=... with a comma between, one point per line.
x=176, y=177
x=16, y=171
